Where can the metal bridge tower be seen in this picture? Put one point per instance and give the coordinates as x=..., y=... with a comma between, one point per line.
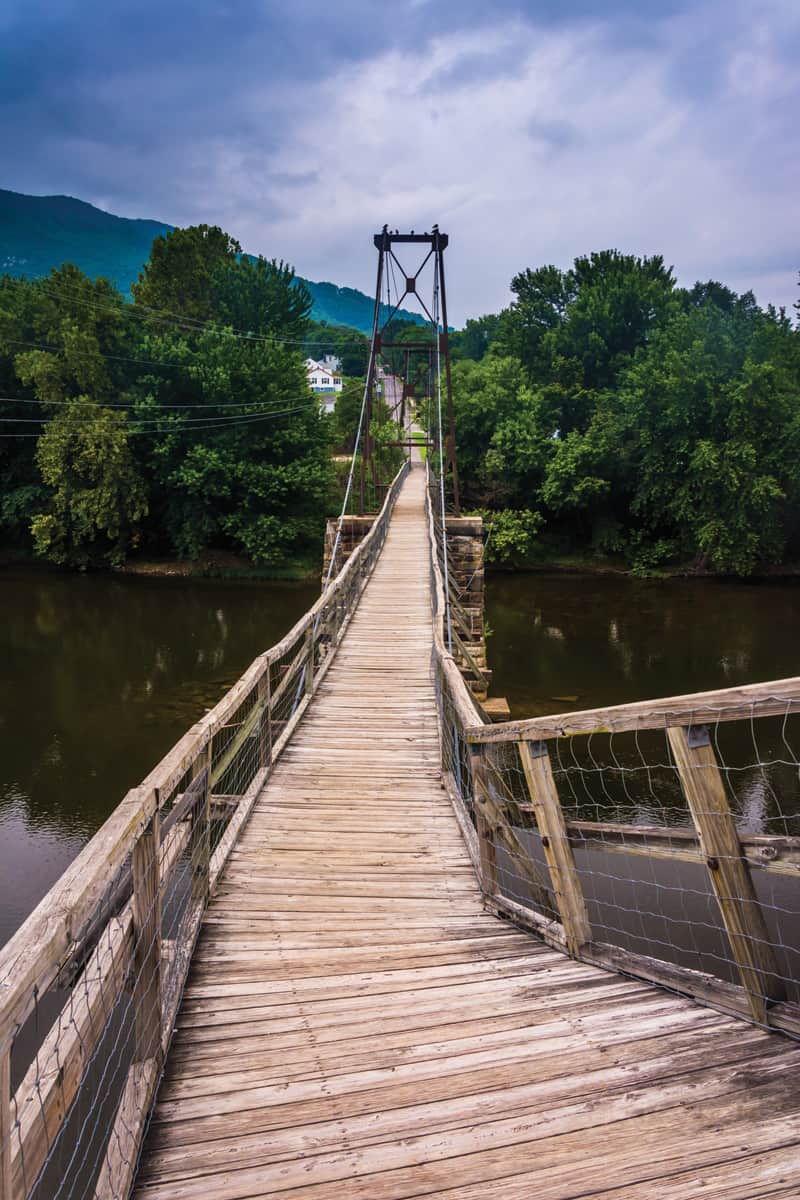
x=437, y=344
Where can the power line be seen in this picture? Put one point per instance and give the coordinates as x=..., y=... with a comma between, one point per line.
x=187, y=324
x=153, y=362
x=200, y=424
x=134, y=404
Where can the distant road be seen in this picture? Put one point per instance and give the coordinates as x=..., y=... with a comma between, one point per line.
x=393, y=395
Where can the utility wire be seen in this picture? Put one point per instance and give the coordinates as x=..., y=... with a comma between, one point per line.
x=165, y=317
x=190, y=426
x=152, y=419
x=176, y=407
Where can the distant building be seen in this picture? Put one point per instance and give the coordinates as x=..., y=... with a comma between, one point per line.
x=324, y=380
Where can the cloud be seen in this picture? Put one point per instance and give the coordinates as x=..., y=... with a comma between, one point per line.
x=531, y=132
x=583, y=144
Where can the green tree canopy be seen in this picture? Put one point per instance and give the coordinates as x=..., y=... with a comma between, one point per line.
x=97, y=496
x=178, y=278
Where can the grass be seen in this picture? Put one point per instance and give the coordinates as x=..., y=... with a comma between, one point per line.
x=418, y=436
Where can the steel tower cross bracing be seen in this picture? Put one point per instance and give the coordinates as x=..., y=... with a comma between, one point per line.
x=437, y=243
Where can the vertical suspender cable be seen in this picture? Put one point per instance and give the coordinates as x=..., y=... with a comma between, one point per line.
x=441, y=451
x=367, y=385
x=457, y=775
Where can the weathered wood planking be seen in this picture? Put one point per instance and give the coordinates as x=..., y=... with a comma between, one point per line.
x=356, y=1025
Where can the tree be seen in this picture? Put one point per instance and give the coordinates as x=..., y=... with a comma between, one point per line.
x=474, y=340
x=97, y=497
x=178, y=278
x=486, y=395
x=21, y=489
x=581, y=327
x=260, y=296
x=348, y=345
x=347, y=414
x=712, y=439
x=250, y=469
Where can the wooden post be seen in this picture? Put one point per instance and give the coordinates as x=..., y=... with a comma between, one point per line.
x=309, y=687
x=5, y=1124
x=485, y=828
x=728, y=871
x=147, y=941
x=265, y=719
x=200, y=851
x=555, y=841
x=335, y=620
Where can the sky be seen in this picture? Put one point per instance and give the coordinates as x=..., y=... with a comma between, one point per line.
x=532, y=132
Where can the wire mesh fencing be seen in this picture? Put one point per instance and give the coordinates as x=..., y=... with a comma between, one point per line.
x=660, y=839
x=91, y=984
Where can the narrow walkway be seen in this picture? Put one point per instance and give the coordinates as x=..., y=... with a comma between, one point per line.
x=355, y=1027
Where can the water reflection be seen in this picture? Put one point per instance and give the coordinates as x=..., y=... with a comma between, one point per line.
x=100, y=676
x=623, y=640
x=609, y=639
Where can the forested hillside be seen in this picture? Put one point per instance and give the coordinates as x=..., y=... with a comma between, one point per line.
x=608, y=412
x=606, y=415
x=40, y=233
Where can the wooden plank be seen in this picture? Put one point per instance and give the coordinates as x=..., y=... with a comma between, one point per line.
x=558, y=852
x=700, y=986
x=5, y=1124
x=450, y=1158
x=590, y=1076
x=772, y=699
x=728, y=872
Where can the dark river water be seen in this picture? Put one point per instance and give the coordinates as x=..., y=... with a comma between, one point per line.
x=101, y=675
x=607, y=640
x=567, y=642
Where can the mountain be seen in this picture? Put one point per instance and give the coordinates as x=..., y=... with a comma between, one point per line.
x=38, y=233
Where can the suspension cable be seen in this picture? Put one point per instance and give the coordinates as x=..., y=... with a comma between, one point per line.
x=441, y=452
x=359, y=430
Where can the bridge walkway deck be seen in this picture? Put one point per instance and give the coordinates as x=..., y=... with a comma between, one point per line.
x=356, y=1025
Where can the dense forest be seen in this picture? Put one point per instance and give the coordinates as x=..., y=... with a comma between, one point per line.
x=609, y=413
x=606, y=414
x=173, y=425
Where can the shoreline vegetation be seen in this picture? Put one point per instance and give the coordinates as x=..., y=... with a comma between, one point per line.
x=308, y=570
x=607, y=420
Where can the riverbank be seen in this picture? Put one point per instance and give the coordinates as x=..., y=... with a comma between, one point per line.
x=576, y=564
x=216, y=564
x=221, y=565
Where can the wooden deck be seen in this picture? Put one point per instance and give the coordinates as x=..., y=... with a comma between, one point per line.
x=357, y=1027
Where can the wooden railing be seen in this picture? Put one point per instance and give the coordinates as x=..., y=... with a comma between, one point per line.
x=456, y=621
x=507, y=781
x=90, y=984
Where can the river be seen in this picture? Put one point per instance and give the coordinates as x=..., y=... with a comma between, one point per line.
x=102, y=674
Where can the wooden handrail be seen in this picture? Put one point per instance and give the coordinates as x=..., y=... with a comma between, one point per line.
x=460, y=695
x=85, y=902
x=772, y=699
x=714, y=843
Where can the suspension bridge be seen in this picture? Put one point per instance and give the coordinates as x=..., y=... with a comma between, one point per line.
x=350, y=939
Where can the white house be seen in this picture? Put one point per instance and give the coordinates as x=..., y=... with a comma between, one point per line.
x=323, y=380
